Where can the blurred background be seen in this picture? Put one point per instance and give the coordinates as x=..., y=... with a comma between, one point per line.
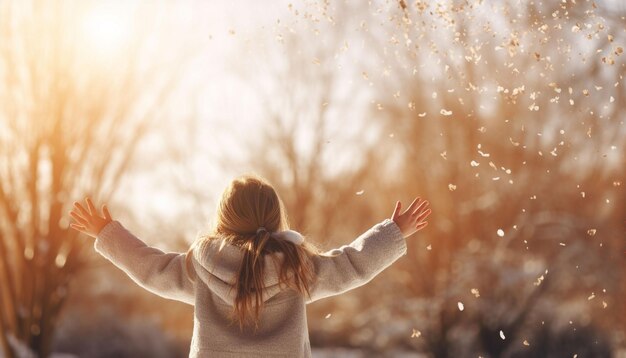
x=507, y=115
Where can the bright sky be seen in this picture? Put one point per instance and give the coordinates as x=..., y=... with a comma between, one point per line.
x=232, y=35
x=229, y=36
x=226, y=30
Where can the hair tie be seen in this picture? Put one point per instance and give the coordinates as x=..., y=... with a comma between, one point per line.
x=289, y=235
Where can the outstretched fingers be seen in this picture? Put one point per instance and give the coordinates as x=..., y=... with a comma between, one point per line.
x=396, y=210
x=105, y=212
x=78, y=227
x=421, y=208
x=87, y=219
x=91, y=207
x=81, y=209
x=421, y=217
x=413, y=218
x=413, y=204
x=76, y=216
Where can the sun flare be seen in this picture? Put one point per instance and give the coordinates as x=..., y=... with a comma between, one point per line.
x=105, y=28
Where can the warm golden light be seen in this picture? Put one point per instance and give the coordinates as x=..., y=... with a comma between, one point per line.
x=105, y=28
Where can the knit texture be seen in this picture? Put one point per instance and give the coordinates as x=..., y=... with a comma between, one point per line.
x=283, y=330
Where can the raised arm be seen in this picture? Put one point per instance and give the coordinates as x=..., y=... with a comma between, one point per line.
x=351, y=266
x=164, y=274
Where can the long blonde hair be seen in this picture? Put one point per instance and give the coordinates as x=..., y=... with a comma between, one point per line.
x=247, y=204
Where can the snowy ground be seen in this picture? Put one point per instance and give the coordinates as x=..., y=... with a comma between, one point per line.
x=357, y=353
x=317, y=353
x=336, y=352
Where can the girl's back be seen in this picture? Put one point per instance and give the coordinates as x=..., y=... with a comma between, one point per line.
x=247, y=249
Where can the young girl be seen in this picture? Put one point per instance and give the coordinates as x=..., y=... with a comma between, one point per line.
x=251, y=270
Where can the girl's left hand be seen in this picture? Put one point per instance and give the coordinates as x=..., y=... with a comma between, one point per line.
x=88, y=220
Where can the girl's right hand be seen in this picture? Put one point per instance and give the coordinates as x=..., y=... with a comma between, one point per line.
x=413, y=219
x=89, y=221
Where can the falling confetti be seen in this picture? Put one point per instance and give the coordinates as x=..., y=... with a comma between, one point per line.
x=525, y=64
x=415, y=333
x=502, y=335
x=475, y=292
x=327, y=316
x=539, y=280
x=360, y=192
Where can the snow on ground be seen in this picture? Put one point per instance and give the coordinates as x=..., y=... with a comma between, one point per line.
x=357, y=353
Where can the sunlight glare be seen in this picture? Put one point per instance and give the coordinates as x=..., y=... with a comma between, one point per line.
x=105, y=28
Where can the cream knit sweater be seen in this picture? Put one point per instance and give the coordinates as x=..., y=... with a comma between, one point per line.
x=283, y=328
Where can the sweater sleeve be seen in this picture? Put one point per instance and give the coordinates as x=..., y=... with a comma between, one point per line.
x=351, y=266
x=164, y=274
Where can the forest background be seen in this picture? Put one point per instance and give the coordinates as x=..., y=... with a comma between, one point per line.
x=508, y=116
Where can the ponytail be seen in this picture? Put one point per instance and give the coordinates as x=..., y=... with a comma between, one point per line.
x=250, y=280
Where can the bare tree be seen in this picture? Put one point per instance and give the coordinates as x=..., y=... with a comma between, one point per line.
x=70, y=124
x=512, y=119
x=311, y=143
